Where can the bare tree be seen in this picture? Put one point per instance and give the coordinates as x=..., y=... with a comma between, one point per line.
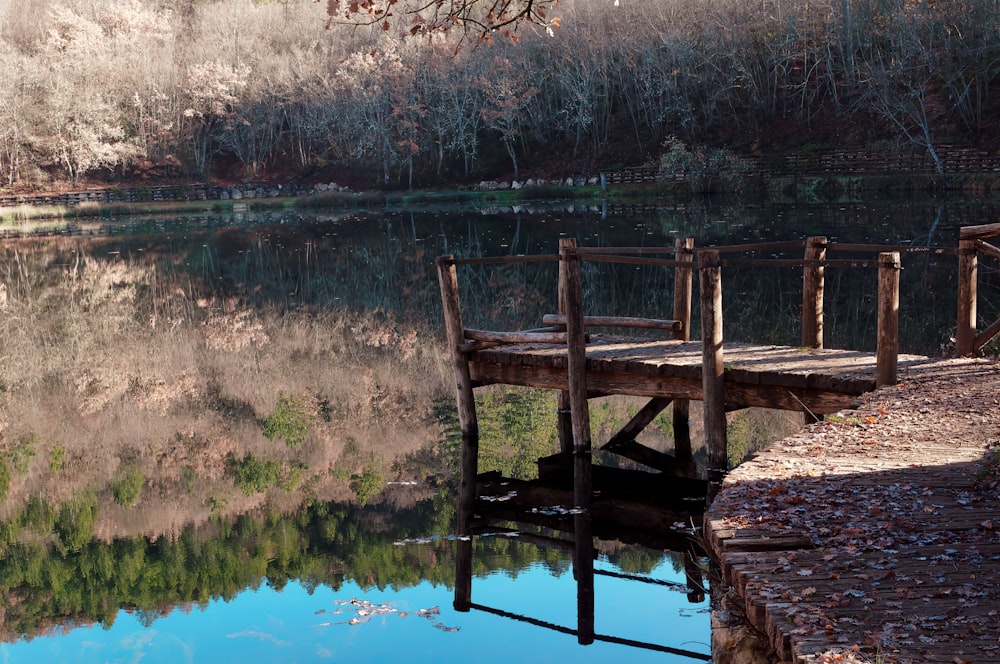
x=482, y=19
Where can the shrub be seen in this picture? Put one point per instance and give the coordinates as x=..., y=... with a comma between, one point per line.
x=5, y=477
x=366, y=485
x=704, y=170
x=253, y=474
x=57, y=459
x=75, y=523
x=127, y=488
x=22, y=455
x=288, y=422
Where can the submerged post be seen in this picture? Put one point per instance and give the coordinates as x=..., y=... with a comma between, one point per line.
x=968, y=277
x=469, y=423
x=683, y=251
x=888, y=318
x=813, y=281
x=712, y=371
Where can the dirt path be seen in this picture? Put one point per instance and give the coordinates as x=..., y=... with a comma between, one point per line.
x=875, y=535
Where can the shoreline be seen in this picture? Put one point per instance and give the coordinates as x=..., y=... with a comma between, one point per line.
x=869, y=537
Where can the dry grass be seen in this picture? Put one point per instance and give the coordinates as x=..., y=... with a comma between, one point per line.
x=119, y=361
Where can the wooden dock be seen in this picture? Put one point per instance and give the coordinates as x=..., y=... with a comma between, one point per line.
x=870, y=537
x=822, y=381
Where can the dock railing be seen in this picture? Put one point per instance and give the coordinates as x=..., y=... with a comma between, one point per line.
x=971, y=244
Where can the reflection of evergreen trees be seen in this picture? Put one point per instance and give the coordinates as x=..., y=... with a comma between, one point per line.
x=52, y=573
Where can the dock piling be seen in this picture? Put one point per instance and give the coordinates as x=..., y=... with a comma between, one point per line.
x=968, y=277
x=712, y=375
x=576, y=350
x=683, y=278
x=888, y=319
x=813, y=281
x=467, y=418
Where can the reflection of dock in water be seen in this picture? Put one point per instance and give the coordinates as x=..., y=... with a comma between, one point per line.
x=550, y=512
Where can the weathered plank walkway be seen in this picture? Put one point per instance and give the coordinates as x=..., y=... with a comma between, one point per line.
x=821, y=381
x=875, y=536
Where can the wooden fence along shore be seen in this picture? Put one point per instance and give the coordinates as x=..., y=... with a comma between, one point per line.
x=560, y=354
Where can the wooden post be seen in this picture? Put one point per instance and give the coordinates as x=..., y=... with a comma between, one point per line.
x=571, y=304
x=463, y=571
x=888, y=318
x=695, y=579
x=812, y=293
x=683, y=251
x=583, y=561
x=968, y=284
x=468, y=421
x=712, y=371
x=564, y=423
x=577, y=369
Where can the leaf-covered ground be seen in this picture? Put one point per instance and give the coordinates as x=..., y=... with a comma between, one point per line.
x=873, y=536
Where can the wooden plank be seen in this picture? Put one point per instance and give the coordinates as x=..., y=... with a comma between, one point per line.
x=631, y=260
x=505, y=260
x=879, y=248
x=987, y=335
x=616, y=321
x=639, y=422
x=516, y=337
x=988, y=249
x=979, y=232
x=774, y=247
x=738, y=395
x=655, y=459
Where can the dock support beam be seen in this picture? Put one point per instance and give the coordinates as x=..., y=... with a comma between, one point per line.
x=683, y=277
x=887, y=357
x=968, y=277
x=712, y=372
x=469, y=423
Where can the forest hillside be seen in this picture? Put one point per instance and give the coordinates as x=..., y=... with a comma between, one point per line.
x=158, y=89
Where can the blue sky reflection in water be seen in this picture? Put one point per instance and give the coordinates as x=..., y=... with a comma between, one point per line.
x=293, y=625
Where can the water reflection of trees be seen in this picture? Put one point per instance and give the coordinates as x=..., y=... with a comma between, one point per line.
x=353, y=306
x=51, y=579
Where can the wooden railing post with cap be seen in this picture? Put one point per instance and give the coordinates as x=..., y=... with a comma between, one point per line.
x=712, y=371
x=888, y=319
x=468, y=421
x=683, y=277
x=968, y=277
x=813, y=278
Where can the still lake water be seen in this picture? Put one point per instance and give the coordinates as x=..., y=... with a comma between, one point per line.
x=347, y=553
